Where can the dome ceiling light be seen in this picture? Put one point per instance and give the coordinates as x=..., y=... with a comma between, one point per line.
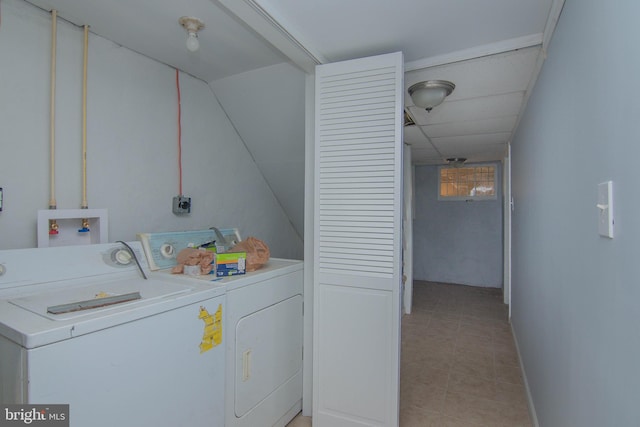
x=430, y=93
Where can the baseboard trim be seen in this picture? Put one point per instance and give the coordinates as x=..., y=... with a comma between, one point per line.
x=532, y=408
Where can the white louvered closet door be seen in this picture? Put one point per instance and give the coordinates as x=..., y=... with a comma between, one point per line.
x=358, y=242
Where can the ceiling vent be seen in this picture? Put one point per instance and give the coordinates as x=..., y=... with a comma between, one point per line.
x=408, y=120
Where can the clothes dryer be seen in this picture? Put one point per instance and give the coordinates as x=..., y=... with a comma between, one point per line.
x=263, y=329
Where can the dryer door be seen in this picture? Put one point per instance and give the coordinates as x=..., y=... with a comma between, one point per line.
x=268, y=354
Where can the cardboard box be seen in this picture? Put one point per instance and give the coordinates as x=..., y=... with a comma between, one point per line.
x=230, y=263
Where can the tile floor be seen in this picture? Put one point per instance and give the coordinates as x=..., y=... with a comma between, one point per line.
x=459, y=362
x=300, y=421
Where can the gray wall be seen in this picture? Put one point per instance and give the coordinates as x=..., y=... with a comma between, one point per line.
x=132, y=143
x=456, y=241
x=576, y=295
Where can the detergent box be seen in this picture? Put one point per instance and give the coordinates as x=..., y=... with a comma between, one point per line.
x=230, y=263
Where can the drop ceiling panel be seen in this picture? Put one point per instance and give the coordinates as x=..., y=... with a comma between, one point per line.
x=490, y=156
x=470, y=141
x=471, y=152
x=425, y=156
x=470, y=109
x=488, y=75
x=415, y=137
x=472, y=127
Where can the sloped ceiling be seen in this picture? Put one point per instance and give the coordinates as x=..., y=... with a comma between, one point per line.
x=151, y=27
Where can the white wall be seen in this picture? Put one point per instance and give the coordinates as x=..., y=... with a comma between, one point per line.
x=456, y=241
x=132, y=142
x=576, y=295
x=267, y=108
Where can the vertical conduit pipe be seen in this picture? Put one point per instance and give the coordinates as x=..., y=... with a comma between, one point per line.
x=85, y=205
x=52, y=110
x=53, y=226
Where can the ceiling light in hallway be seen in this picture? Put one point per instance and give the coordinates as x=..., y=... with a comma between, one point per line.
x=430, y=93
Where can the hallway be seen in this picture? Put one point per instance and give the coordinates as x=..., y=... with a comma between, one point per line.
x=459, y=361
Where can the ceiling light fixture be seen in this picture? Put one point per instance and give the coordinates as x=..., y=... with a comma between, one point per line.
x=456, y=162
x=430, y=93
x=192, y=25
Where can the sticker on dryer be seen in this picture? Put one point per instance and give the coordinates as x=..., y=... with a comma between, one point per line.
x=212, y=335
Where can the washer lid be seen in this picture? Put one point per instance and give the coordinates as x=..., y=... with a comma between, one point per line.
x=148, y=290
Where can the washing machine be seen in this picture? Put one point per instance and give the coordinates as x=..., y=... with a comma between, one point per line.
x=89, y=327
x=263, y=328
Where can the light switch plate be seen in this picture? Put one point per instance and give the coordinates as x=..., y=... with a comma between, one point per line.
x=605, y=209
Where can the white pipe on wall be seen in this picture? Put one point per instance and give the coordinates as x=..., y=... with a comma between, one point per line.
x=84, y=204
x=52, y=109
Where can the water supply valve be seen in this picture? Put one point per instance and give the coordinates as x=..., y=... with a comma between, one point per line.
x=53, y=227
x=85, y=226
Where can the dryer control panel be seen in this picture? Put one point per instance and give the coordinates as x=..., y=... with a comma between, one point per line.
x=162, y=248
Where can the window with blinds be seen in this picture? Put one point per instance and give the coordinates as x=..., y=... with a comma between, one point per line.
x=467, y=183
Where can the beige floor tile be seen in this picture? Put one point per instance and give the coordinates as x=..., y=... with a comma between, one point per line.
x=503, y=327
x=300, y=421
x=468, y=319
x=472, y=343
x=437, y=344
x=443, y=323
x=504, y=344
x=487, y=315
x=483, y=356
x=513, y=394
x=457, y=422
x=454, y=309
x=474, y=409
x=422, y=396
x=420, y=317
x=509, y=374
x=472, y=328
x=417, y=417
x=474, y=368
x=412, y=331
x=444, y=315
x=472, y=385
x=510, y=415
x=426, y=373
x=430, y=344
x=506, y=358
x=440, y=361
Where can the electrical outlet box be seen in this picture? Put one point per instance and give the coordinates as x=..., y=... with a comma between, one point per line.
x=181, y=205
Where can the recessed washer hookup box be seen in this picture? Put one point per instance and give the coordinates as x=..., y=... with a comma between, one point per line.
x=230, y=263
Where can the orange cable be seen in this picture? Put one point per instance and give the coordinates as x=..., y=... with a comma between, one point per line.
x=179, y=133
